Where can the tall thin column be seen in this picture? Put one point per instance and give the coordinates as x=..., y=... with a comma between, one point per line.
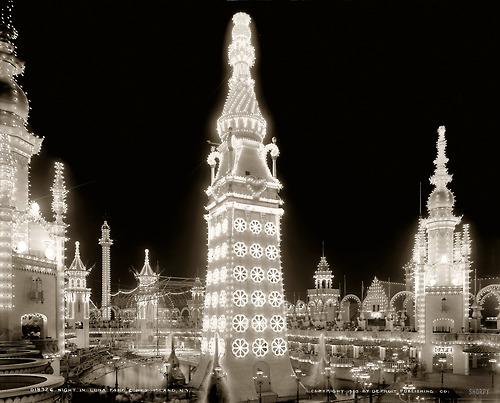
x=106, y=243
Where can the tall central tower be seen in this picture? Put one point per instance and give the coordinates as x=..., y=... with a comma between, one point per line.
x=244, y=308
x=106, y=243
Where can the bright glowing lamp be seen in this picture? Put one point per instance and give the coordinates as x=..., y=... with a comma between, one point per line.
x=50, y=253
x=21, y=247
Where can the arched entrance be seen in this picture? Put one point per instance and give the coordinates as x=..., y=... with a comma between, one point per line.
x=34, y=326
x=346, y=305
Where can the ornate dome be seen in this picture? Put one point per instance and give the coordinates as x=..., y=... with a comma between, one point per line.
x=12, y=98
x=441, y=198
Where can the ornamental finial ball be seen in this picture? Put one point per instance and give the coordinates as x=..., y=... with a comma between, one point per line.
x=241, y=27
x=241, y=19
x=441, y=130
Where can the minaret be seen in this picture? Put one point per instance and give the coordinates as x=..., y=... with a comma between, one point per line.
x=442, y=271
x=106, y=243
x=244, y=304
x=77, y=297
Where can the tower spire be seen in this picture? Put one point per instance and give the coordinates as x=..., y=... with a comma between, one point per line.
x=106, y=243
x=241, y=114
x=59, y=192
x=441, y=176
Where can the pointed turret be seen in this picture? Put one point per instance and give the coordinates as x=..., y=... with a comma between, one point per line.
x=77, y=263
x=323, y=276
x=146, y=276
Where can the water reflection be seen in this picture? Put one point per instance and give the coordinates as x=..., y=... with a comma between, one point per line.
x=139, y=376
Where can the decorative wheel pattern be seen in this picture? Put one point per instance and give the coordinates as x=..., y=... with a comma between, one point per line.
x=240, y=298
x=277, y=323
x=271, y=252
x=270, y=228
x=209, y=277
x=278, y=346
x=215, y=299
x=240, y=348
x=257, y=274
x=213, y=323
x=240, y=224
x=240, y=323
x=221, y=323
x=222, y=298
x=273, y=275
x=240, y=273
x=260, y=347
x=223, y=274
x=275, y=299
x=240, y=249
x=256, y=250
x=206, y=323
x=258, y=298
x=255, y=227
x=259, y=323
x=215, y=276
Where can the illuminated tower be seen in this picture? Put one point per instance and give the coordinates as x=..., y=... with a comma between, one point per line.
x=106, y=243
x=146, y=299
x=442, y=270
x=77, y=297
x=323, y=297
x=244, y=307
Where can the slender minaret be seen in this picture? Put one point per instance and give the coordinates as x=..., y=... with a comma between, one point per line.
x=77, y=297
x=106, y=243
x=244, y=306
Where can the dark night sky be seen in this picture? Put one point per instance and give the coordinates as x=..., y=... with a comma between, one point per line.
x=126, y=93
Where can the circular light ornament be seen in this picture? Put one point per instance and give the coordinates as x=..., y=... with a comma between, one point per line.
x=259, y=323
x=255, y=227
x=256, y=251
x=240, y=323
x=258, y=298
x=270, y=228
x=240, y=224
x=277, y=323
x=221, y=323
x=240, y=298
x=213, y=323
x=222, y=298
x=275, y=299
x=271, y=252
x=257, y=274
x=240, y=249
x=260, y=347
x=215, y=299
x=240, y=273
x=240, y=348
x=278, y=346
x=273, y=275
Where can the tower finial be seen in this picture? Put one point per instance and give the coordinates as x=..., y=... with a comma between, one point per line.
x=322, y=248
x=146, y=257
x=441, y=176
x=77, y=249
x=59, y=193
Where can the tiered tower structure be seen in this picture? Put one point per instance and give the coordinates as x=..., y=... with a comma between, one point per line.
x=244, y=304
x=323, y=298
x=146, y=300
x=106, y=243
x=442, y=270
x=77, y=297
x=31, y=248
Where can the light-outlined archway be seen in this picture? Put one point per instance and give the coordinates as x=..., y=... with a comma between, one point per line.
x=398, y=295
x=345, y=304
x=34, y=325
x=486, y=291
